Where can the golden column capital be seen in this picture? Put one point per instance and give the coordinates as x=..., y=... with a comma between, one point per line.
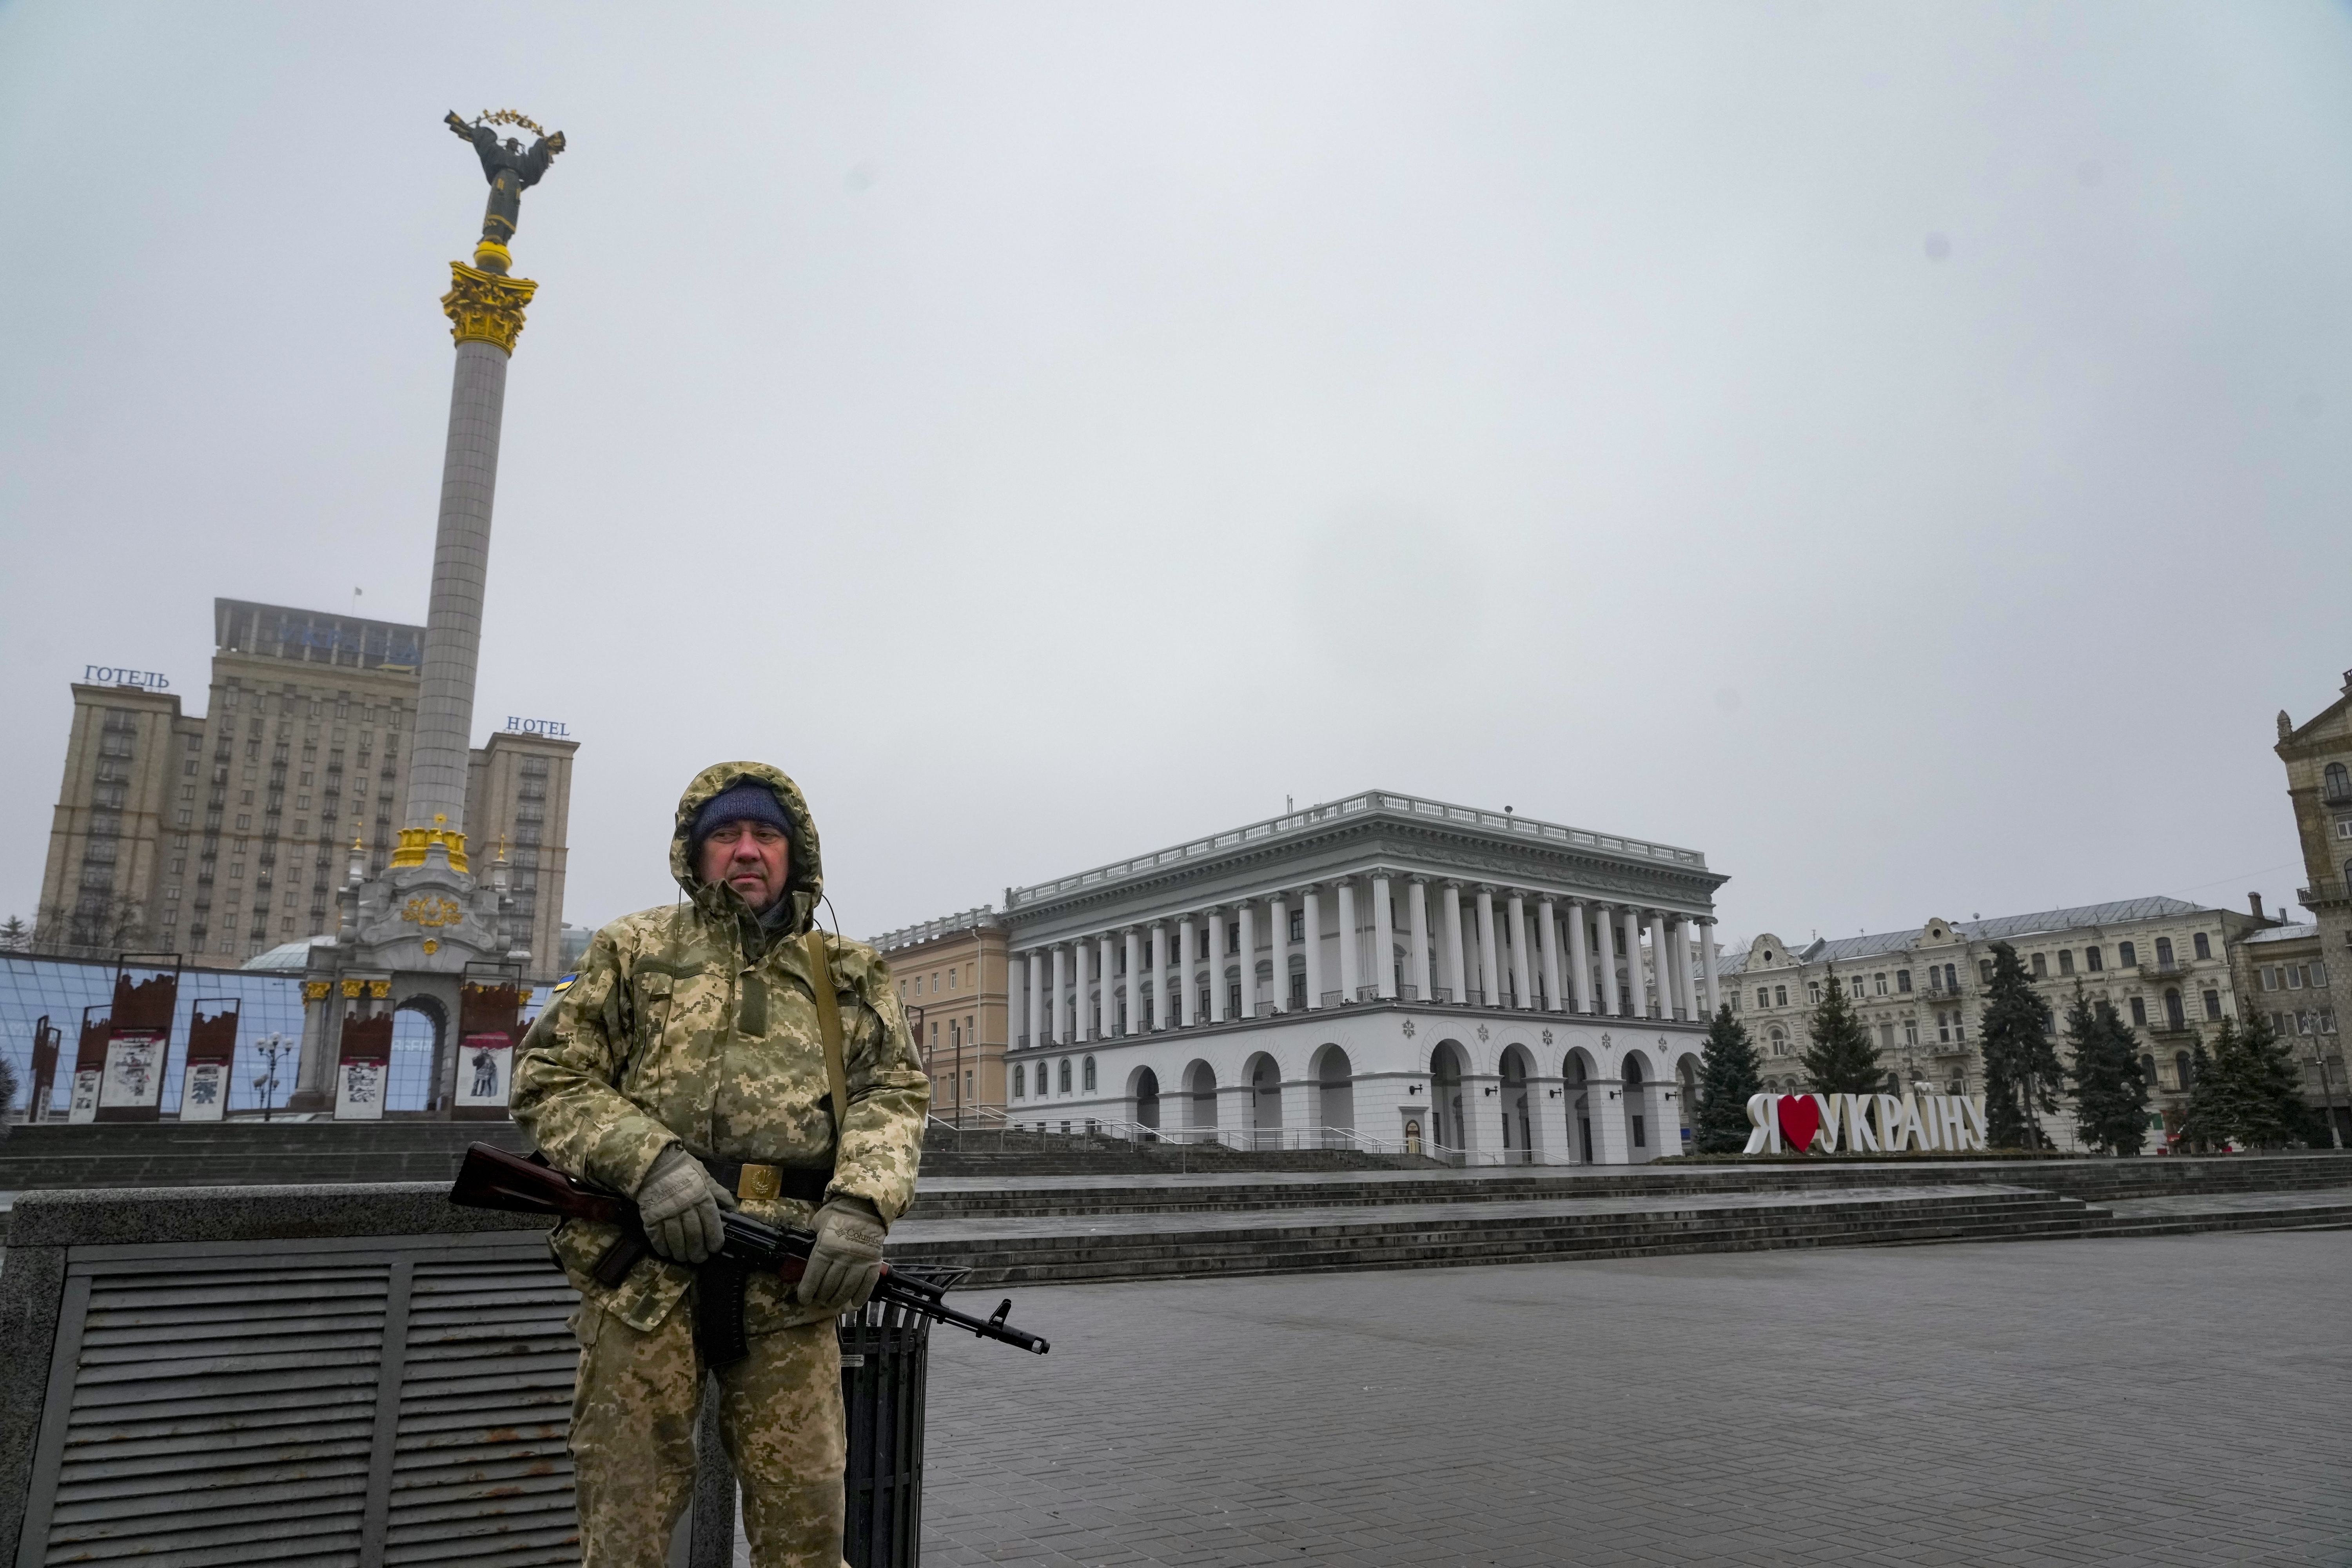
x=484, y=307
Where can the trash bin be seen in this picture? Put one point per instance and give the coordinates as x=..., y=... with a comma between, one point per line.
x=884, y=1361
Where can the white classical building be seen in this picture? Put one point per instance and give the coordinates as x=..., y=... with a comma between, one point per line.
x=1383, y=971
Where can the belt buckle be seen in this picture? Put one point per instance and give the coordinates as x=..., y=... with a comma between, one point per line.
x=760, y=1182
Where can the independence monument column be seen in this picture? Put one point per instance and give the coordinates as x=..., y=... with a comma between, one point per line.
x=486, y=308
x=427, y=935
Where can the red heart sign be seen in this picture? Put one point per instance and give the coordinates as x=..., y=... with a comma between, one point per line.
x=1801, y=1118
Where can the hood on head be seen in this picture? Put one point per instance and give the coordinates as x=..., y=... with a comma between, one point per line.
x=803, y=886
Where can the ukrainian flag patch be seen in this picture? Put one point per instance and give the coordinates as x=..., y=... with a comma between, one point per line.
x=564, y=984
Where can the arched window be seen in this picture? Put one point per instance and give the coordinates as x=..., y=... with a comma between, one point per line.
x=2093, y=961
x=2174, y=1013
x=2185, y=1066
x=1064, y=1075
x=1020, y=1083
x=1086, y=1075
x=2164, y=952
x=1780, y=1044
x=2203, y=945
x=2148, y=1070
x=2339, y=783
x=2126, y=955
x=2140, y=1011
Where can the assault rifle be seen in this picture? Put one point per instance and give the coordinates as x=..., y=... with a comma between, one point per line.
x=493, y=1179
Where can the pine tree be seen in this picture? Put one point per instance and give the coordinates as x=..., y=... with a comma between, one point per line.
x=2021, y=1069
x=1841, y=1059
x=2268, y=1099
x=2205, y=1120
x=15, y=936
x=2110, y=1091
x=1730, y=1073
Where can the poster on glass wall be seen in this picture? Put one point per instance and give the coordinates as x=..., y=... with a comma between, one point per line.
x=84, y=1105
x=483, y=1061
x=134, y=1071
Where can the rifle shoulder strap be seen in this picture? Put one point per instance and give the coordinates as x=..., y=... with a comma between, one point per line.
x=828, y=1022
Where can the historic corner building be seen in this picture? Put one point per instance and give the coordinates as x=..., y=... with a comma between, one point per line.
x=1383, y=971
x=952, y=974
x=227, y=836
x=2318, y=755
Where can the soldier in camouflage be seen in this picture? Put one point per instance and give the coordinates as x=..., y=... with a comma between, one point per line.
x=686, y=1049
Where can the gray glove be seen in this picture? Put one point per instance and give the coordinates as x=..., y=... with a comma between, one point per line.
x=846, y=1263
x=680, y=1204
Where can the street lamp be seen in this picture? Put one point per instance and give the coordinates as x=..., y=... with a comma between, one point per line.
x=270, y=1046
x=2327, y=1087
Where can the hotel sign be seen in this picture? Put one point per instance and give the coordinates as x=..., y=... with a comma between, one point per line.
x=551, y=727
x=113, y=675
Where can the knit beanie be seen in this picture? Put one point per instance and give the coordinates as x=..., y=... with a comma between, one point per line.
x=748, y=801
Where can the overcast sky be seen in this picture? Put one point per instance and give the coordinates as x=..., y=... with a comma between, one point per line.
x=1898, y=450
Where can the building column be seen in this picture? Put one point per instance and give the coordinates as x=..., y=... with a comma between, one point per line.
x=1457, y=973
x=1188, y=999
x=1278, y=939
x=1081, y=1005
x=1665, y=1128
x=1669, y=978
x=1605, y=920
x=1134, y=943
x=1580, y=957
x=1061, y=993
x=1613, y=1139
x=1684, y=926
x=1523, y=978
x=1549, y=923
x=1310, y=904
x=1106, y=992
x=1636, y=986
x=1160, y=995
x=1383, y=940
x=1416, y=915
x=1706, y=964
x=1212, y=927
x=1350, y=947
x=1249, y=958
x=1032, y=990
x=1490, y=973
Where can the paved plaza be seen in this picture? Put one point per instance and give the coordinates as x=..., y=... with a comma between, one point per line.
x=2174, y=1400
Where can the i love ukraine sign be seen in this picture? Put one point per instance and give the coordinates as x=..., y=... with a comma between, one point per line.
x=1866, y=1123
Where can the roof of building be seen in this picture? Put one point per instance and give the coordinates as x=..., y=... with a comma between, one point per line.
x=2293, y=931
x=2000, y=928
x=288, y=954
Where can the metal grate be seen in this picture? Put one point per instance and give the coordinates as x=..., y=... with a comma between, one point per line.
x=221, y=1417
x=480, y=1472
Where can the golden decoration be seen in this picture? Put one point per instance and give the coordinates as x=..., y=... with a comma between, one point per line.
x=352, y=989
x=511, y=117
x=486, y=309
x=429, y=910
x=414, y=841
x=317, y=990
x=379, y=989
x=431, y=947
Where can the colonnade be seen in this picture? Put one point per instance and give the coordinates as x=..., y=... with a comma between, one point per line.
x=1508, y=953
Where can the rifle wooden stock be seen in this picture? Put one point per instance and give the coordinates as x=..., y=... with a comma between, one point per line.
x=490, y=1178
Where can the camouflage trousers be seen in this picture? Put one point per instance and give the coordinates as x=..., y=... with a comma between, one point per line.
x=779, y=1418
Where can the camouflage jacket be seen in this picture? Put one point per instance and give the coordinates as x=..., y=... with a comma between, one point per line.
x=697, y=1025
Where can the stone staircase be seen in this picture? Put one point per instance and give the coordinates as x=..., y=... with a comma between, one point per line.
x=1097, y=1249
x=1034, y=1209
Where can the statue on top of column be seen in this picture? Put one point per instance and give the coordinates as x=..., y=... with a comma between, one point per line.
x=511, y=170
